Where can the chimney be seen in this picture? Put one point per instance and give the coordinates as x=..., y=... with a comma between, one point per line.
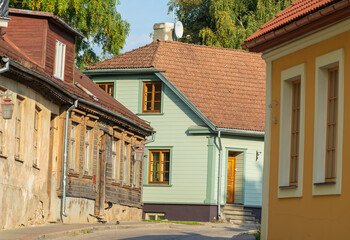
x=4, y=13
x=163, y=31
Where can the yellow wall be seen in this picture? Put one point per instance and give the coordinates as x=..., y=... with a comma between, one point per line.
x=309, y=217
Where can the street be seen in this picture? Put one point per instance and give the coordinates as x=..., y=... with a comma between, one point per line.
x=162, y=231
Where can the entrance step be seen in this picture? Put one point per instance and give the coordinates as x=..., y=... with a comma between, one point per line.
x=237, y=215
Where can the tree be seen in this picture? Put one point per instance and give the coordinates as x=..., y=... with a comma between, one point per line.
x=97, y=20
x=224, y=23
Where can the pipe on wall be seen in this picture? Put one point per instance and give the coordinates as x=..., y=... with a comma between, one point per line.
x=7, y=65
x=219, y=175
x=65, y=152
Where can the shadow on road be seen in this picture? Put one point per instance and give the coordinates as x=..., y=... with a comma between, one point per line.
x=186, y=235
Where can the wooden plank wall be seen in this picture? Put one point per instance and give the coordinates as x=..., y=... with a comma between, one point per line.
x=29, y=34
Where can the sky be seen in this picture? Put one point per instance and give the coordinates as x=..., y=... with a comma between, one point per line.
x=142, y=15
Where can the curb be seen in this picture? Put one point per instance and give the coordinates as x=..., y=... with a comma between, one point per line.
x=245, y=236
x=87, y=229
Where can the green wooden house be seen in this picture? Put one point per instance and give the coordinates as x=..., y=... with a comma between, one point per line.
x=206, y=105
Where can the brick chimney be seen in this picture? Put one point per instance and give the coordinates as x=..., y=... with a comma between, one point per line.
x=163, y=31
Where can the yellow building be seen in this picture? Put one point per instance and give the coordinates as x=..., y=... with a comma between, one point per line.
x=306, y=188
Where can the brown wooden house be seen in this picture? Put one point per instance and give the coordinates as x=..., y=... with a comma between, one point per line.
x=69, y=150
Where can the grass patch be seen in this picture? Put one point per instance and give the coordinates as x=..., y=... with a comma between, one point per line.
x=85, y=231
x=75, y=234
x=177, y=222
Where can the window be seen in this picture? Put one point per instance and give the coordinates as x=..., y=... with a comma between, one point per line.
x=155, y=216
x=152, y=92
x=331, y=146
x=291, y=143
x=18, y=128
x=328, y=133
x=115, y=159
x=159, y=166
x=88, y=140
x=36, y=136
x=294, y=158
x=126, y=166
x=73, y=146
x=107, y=87
x=60, y=59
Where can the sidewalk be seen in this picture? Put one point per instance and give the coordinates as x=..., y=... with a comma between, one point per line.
x=53, y=231
x=244, y=236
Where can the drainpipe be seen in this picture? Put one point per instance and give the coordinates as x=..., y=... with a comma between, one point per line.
x=153, y=138
x=219, y=173
x=65, y=151
x=7, y=65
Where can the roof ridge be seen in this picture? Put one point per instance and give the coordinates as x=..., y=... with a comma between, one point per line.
x=205, y=46
x=155, y=53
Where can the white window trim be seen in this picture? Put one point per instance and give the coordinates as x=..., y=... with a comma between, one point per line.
x=323, y=63
x=60, y=57
x=287, y=77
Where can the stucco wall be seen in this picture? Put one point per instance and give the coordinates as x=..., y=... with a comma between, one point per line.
x=309, y=216
x=23, y=188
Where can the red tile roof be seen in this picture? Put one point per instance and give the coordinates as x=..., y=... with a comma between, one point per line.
x=226, y=85
x=301, y=12
x=9, y=49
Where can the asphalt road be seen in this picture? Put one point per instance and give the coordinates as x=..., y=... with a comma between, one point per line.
x=178, y=231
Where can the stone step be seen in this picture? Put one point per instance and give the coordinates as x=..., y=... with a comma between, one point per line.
x=233, y=207
x=249, y=226
x=242, y=221
x=239, y=217
x=236, y=212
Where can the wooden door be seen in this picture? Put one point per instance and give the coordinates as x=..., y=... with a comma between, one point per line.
x=230, y=195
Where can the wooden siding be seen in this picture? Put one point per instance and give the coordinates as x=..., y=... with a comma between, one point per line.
x=252, y=174
x=29, y=34
x=56, y=33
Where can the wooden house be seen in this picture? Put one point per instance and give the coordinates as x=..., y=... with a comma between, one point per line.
x=207, y=106
x=69, y=152
x=307, y=50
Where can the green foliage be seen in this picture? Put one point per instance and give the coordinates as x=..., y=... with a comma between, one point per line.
x=224, y=23
x=97, y=20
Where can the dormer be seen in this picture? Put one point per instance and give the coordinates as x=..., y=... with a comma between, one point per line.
x=46, y=39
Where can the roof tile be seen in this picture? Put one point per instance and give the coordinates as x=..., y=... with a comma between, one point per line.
x=226, y=85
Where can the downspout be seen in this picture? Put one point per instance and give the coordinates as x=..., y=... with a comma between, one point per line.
x=219, y=173
x=7, y=65
x=153, y=138
x=65, y=151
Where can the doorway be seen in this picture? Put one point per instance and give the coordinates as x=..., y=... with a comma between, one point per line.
x=235, y=163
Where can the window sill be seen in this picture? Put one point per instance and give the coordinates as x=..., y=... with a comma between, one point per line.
x=288, y=187
x=325, y=183
x=86, y=176
x=36, y=167
x=73, y=174
x=149, y=114
x=3, y=156
x=17, y=159
x=157, y=185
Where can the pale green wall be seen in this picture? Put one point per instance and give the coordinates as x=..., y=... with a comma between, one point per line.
x=190, y=154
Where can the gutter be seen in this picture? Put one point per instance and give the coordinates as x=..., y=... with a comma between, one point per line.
x=241, y=132
x=7, y=65
x=74, y=97
x=65, y=152
x=219, y=176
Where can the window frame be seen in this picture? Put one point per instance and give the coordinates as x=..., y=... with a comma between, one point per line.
x=73, y=150
x=116, y=147
x=323, y=64
x=36, y=136
x=19, y=128
x=285, y=188
x=143, y=102
x=161, y=163
x=60, y=59
x=106, y=84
